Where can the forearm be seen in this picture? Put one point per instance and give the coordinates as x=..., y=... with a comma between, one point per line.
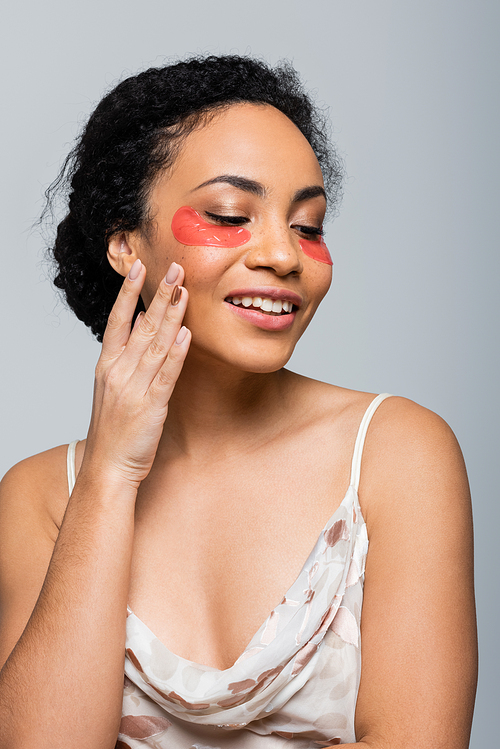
x=62, y=684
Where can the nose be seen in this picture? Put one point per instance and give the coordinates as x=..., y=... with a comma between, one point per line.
x=276, y=248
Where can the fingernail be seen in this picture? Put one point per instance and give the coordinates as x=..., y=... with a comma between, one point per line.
x=176, y=295
x=138, y=319
x=135, y=270
x=181, y=335
x=172, y=274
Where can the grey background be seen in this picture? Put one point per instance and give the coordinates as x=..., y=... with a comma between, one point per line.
x=412, y=89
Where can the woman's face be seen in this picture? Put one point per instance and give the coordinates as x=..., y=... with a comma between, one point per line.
x=253, y=167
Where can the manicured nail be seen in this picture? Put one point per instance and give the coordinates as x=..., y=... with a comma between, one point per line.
x=181, y=335
x=138, y=319
x=135, y=270
x=176, y=295
x=172, y=274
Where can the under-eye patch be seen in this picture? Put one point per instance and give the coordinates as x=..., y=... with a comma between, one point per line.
x=189, y=228
x=316, y=249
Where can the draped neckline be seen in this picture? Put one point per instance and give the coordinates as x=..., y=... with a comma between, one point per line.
x=351, y=496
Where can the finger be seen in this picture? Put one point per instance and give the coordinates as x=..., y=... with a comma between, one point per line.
x=163, y=296
x=117, y=330
x=164, y=382
x=143, y=335
x=160, y=346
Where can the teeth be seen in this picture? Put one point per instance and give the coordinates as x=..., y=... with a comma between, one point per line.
x=266, y=305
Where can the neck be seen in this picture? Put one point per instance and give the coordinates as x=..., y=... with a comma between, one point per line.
x=217, y=409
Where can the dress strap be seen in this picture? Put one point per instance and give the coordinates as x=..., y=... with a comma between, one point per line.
x=71, y=466
x=360, y=439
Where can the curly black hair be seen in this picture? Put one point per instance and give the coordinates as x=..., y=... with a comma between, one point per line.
x=134, y=133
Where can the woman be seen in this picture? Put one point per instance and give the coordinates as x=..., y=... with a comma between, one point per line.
x=193, y=247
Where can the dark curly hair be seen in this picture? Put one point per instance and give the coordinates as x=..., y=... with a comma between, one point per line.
x=134, y=133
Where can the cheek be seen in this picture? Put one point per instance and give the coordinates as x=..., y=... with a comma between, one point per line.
x=320, y=277
x=316, y=250
x=190, y=229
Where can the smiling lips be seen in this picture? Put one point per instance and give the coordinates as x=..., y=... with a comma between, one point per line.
x=268, y=309
x=265, y=304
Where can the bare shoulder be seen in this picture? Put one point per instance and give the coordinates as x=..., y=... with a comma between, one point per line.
x=412, y=472
x=412, y=463
x=399, y=419
x=407, y=447
x=33, y=498
x=37, y=486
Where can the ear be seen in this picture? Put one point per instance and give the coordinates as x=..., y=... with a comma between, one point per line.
x=122, y=252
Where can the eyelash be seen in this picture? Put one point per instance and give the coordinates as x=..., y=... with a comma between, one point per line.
x=231, y=220
x=309, y=229
x=237, y=220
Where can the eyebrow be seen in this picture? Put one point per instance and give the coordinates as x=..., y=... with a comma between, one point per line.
x=256, y=188
x=306, y=193
x=242, y=183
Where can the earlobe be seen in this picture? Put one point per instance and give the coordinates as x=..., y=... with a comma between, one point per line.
x=121, y=253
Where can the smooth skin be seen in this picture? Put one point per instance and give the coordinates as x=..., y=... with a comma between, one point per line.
x=207, y=449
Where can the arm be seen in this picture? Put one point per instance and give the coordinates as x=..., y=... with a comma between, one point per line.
x=418, y=627
x=64, y=676
x=64, y=606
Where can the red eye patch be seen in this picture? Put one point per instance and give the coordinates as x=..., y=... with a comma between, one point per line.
x=190, y=229
x=316, y=249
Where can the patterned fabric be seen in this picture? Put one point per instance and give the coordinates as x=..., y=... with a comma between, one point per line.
x=295, y=684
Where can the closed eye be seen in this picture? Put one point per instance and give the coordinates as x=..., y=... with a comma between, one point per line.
x=230, y=220
x=309, y=231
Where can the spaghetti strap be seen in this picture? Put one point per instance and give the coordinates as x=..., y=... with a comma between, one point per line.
x=70, y=464
x=360, y=439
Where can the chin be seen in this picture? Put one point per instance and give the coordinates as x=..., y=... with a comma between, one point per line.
x=263, y=367
x=261, y=355
x=258, y=358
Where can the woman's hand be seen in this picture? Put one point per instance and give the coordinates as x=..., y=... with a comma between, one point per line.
x=135, y=376
x=64, y=605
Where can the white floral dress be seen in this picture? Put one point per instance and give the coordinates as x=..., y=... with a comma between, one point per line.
x=296, y=682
